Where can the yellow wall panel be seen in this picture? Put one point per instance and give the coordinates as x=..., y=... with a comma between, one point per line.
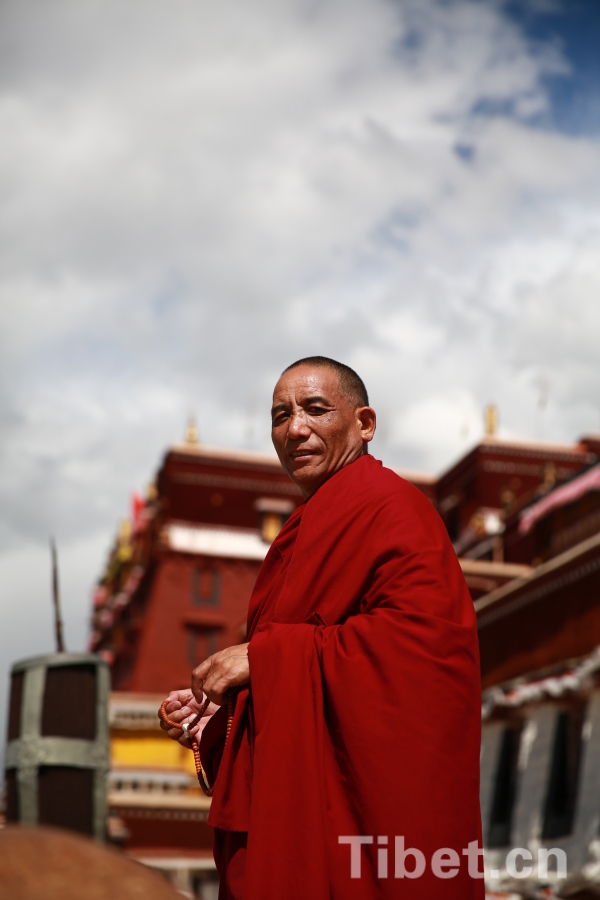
x=148, y=750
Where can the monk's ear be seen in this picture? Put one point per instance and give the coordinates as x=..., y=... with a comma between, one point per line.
x=367, y=422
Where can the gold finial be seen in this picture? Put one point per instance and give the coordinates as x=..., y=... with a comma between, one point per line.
x=549, y=475
x=124, y=547
x=490, y=417
x=191, y=432
x=271, y=526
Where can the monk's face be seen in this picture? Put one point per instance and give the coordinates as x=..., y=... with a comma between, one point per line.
x=315, y=429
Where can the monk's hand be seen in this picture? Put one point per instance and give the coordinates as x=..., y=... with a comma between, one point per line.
x=220, y=672
x=183, y=707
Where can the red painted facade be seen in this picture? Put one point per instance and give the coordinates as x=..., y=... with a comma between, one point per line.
x=217, y=487
x=177, y=588
x=181, y=626
x=190, y=599
x=495, y=481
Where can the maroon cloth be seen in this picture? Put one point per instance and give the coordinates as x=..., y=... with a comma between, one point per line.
x=363, y=716
x=230, y=859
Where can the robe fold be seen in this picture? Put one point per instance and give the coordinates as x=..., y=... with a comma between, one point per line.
x=364, y=712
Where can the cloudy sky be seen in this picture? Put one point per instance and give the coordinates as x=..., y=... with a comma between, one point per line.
x=196, y=194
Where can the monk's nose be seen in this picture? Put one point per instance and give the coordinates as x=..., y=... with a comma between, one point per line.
x=298, y=427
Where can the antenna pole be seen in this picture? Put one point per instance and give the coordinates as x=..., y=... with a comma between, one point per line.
x=60, y=647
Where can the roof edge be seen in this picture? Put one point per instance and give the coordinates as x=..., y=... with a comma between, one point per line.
x=251, y=456
x=538, y=573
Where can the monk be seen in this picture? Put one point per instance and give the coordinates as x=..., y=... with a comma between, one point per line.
x=352, y=768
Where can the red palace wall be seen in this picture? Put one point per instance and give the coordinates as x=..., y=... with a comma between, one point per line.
x=196, y=606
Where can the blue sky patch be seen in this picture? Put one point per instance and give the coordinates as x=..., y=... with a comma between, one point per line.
x=573, y=27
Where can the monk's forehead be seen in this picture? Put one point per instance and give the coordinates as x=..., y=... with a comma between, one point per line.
x=307, y=381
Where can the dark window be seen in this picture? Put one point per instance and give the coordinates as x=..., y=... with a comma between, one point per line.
x=564, y=772
x=14, y=709
x=206, y=587
x=202, y=643
x=12, y=795
x=505, y=784
x=66, y=797
x=69, y=708
x=452, y=523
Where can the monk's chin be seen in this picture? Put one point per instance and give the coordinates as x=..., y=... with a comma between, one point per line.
x=304, y=466
x=308, y=481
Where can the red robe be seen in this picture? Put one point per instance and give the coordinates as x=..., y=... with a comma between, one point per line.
x=364, y=712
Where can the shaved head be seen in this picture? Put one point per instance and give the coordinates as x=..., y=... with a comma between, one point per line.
x=320, y=419
x=352, y=386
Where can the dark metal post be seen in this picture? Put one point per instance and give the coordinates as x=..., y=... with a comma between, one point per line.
x=60, y=647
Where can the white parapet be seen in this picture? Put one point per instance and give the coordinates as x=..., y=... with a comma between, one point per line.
x=227, y=542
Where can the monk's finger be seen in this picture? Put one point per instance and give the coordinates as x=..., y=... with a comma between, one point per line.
x=197, y=729
x=173, y=696
x=205, y=666
x=233, y=672
x=187, y=704
x=214, y=674
x=198, y=676
x=179, y=696
x=221, y=686
x=176, y=700
x=234, y=650
x=176, y=712
x=170, y=705
x=174, y=716
x=177, y=734
x=173, y=733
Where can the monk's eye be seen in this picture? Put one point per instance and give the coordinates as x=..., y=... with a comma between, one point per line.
x=316, y=410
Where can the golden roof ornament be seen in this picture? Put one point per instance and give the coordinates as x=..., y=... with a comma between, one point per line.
x=191, y=432
x=124, y=546
x=271, y=525
x=549, y=475
x=490, y=417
